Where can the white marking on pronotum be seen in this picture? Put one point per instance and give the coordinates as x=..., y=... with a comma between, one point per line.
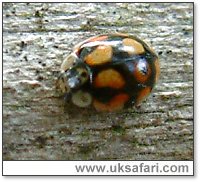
x=81, y=98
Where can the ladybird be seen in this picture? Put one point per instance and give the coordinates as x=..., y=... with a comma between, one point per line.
x=109, y=72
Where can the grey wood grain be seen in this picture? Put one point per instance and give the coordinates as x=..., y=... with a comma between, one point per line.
x=38, y=125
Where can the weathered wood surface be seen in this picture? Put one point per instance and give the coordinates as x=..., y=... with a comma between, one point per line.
x=37, y=125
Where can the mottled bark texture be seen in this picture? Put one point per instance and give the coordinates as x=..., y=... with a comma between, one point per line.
x=37, y=125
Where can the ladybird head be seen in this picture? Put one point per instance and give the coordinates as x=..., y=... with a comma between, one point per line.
x=74, y=74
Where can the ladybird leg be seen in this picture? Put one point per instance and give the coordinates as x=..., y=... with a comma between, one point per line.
x=67, y=96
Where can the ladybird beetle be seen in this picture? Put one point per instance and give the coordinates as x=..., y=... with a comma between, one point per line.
x=109, y=72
